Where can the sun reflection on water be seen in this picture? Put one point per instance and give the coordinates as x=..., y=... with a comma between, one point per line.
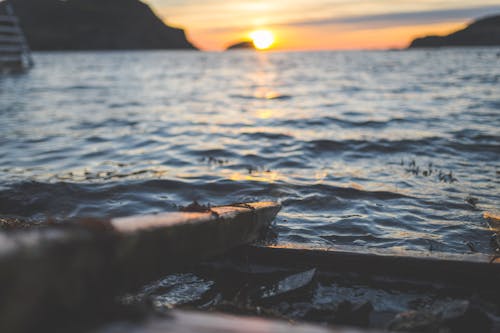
x=265, y=113
x=257, y=176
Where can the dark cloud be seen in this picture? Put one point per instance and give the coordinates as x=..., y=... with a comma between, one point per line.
x=405, y=18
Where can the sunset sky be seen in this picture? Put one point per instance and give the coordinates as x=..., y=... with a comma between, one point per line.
x=320, y=24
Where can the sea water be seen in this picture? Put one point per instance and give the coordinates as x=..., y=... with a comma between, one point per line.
x=376, y=149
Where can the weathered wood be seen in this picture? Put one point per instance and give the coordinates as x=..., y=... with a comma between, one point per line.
x=52, y=274
x=9, y=29
x=11, y=58
x=150, y=244
x=8, y=19
x=475, y=270
x=11, y=39
x=198, y=322
x=5, y=48
x=13, y=42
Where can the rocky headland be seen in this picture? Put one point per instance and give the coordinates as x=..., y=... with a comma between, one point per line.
x=482, y=32
x=95, y=25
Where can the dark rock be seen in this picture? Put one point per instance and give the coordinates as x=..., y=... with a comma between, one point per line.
x=345, y=313
x=320, y=314
x=483, y=32
x=292, y=283
x=453, y=316
x=414, y=321
x=353, y=314
x=241, y=45
x=9, y=224
x=462, y=316
x=453, y=310
x=195, y=207
x=95, y=25
x=473, y=201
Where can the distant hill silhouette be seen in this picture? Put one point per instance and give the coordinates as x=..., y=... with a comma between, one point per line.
x=95, y=25
x=241, y=45
x=483, y=32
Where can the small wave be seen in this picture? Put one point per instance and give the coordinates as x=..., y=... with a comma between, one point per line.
x=320, y=193
x=128, y=197
x=494, y=104
x=425, y=146
x=476, y=136
x=269, y=96
x=267, y=135
x=119, y=122
x=327, y=145
x=482, y=78
x=64, y=200
x=124, y=105
x=325, y=121
x=215, y=153
x=290, y=163
x=95, y=139
x=112, y=123
x=350, y=89
x=84, y=87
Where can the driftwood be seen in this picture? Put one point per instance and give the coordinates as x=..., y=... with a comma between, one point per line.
x=475, y=270
x=57, y=275
x=49, y=275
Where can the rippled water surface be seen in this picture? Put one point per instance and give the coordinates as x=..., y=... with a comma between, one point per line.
x=375, y=149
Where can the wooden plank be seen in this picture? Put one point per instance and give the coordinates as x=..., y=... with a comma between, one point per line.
x=176, y=238
x=5, y=48
x=11, y=39
x=9, y=29
x=478, y=271
x=54, y=274
x=8, y=19
x=11, y=59
x=198, y=322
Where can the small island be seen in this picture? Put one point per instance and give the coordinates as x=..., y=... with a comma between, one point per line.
x=95, y=25
x=483, y=32
x=248, y=44
x=259, y=40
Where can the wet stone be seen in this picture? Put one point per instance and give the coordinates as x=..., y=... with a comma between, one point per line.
x=292, y=283
x=320, y=314
x=414, y=321
x=463, y=316
x=353, y=313
x=453, y=310
x=453, y=316
x=174, y=290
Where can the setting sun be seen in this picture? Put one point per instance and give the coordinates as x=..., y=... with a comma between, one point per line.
x=262, y=39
